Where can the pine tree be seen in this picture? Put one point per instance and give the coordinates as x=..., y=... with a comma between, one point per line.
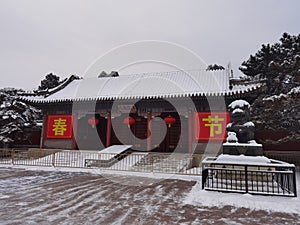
x=277, y=63
x=215, y=67
x=15, y=115
x=50, y=81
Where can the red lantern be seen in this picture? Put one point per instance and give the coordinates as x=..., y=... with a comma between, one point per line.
x=169, y=120
x=129, y=121
x=93, y=122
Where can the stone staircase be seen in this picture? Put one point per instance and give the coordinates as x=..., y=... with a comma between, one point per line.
x=163, y=163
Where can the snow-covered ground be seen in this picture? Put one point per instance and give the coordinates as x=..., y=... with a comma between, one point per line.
x=29, y=195
x=199, y=197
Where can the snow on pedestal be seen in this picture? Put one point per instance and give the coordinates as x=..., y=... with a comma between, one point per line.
x=242, y=159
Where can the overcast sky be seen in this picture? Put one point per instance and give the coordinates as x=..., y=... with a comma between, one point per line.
x=65, y=36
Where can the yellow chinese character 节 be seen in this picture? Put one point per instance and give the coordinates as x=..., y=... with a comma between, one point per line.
x=59, y=127
x=214, y=122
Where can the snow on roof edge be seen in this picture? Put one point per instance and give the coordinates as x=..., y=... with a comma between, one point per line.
x=242, y=90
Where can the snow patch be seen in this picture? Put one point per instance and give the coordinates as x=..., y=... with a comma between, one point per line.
x=249, y=124
x=250, y=143
x=4, y=196
x=295, y=90
x=239, y=104
x=275, y=97
x=224, y=158
x=237, y=111
x=231, y=137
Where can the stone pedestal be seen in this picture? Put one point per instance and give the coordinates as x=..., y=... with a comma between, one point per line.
x=251, y=149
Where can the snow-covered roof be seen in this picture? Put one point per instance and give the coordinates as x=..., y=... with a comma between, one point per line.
x=147, y=86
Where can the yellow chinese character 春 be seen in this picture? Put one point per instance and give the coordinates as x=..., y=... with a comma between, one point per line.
x=214, y=124
x=59, y=127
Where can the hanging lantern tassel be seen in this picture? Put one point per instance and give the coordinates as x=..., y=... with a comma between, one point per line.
x=169, y=120
x=129, y=121
x=93, y=122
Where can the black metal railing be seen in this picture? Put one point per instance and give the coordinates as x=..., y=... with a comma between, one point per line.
x=184, y=164
x=275, y=178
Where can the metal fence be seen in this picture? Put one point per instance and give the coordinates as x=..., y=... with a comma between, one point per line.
x=286, y=156
x=184, y=164
x=276, y=178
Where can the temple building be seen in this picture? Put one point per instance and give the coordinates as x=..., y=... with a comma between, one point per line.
x=164, y=112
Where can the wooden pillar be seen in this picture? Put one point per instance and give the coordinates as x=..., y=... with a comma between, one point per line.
x=44, y=130
x=108, y=130
x=190, y=130
x=149, y=116
x=75, y=128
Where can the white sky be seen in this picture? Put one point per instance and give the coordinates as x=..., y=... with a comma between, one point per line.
x=66, y=36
